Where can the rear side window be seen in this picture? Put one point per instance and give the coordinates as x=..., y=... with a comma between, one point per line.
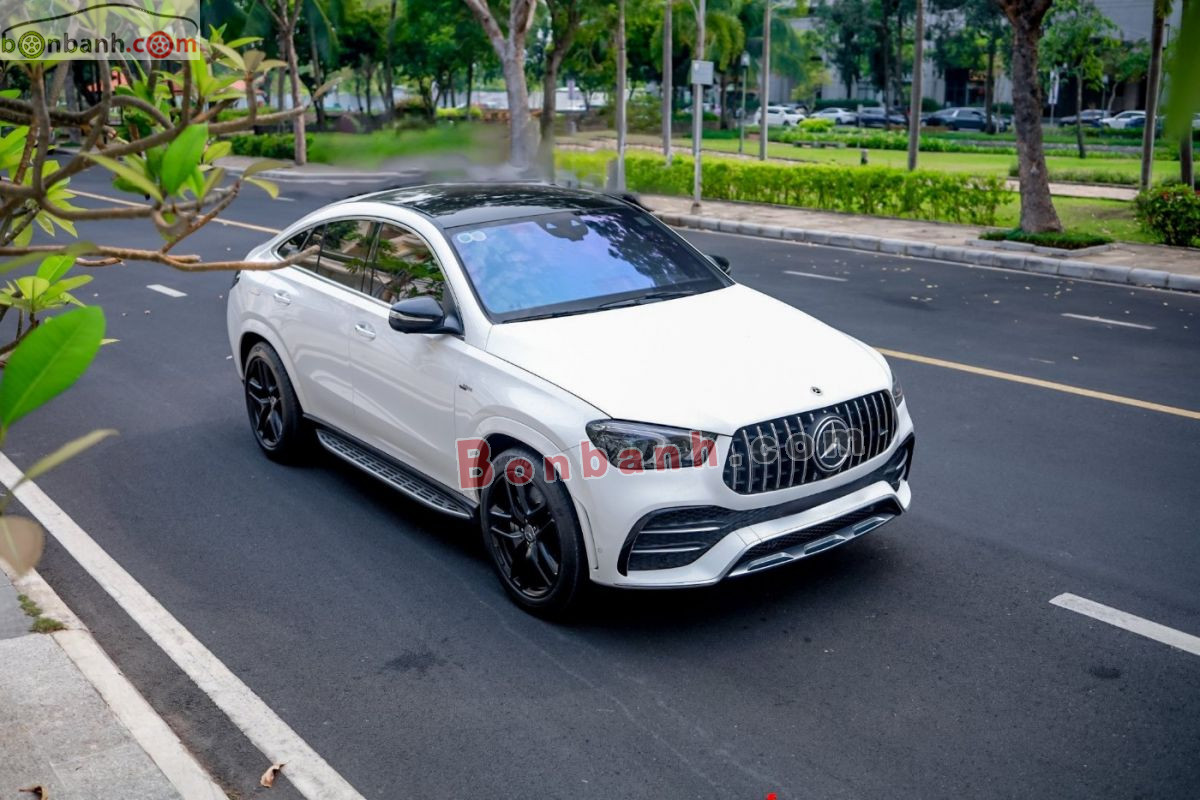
x=346, y=251
x=300, y=241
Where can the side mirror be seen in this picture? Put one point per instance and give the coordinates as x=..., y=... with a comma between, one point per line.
x=422, y=314
x=721, y=261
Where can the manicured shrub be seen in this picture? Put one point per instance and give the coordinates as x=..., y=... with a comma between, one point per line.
x=266, y=145
x=1172, y=213
x=921, y=194
x=929, y=105
x=458, y=114
x=816, y=125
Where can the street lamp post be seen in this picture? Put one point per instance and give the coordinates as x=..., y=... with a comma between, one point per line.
x=763, y=127
x=745, y=85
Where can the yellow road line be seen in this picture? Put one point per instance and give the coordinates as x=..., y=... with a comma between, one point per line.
x=1053, y=386
x=248, y=226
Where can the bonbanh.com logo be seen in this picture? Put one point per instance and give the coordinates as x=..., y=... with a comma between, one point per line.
x=91, y=29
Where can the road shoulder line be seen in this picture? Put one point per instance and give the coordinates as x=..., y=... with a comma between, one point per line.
x=312, y=776
x=144, y=724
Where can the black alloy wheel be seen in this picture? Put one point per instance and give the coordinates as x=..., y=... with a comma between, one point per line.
x=271, y=403
x=530, y=530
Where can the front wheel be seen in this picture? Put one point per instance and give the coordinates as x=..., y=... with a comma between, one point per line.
x=532, y=535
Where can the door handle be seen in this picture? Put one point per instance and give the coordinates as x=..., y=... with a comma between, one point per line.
x=364, y=330
x=283, y=298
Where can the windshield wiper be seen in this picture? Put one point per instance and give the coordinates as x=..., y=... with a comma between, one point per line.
x=666, y=294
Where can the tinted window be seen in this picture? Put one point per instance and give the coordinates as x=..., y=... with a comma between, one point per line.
x=575, y=261
x=345, y=249
x=293, y=245
x=302, y=241
x=404, y=266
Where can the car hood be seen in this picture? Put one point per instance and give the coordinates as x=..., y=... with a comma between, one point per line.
x=713, y=361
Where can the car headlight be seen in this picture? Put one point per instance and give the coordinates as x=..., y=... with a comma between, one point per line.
x=627, y=445
x=897, y=391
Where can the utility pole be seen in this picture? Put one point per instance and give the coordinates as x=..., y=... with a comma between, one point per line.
x=763, y=127
x=667, y=79
x=914, y=105
x=621, y=124
x=697, y=108
x=745, y=85
x=1153, y=86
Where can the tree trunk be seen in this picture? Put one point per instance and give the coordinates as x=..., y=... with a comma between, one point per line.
x=667, y=79
x=989, y=87
x=914, y=104
x=1079, y=114
x=318, y=103
x=518, y=107
x=1187, y=163
x=1153, y=81
x=388, y=61
x=764, y=129
x=287, y=37
x=1037, y=207
x=470, y=85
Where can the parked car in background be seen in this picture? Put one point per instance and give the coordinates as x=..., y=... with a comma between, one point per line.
x=966, y=119
x=780, y=116
x=840, y=116
x=874, y=117
x=1122, y=120
x=1090, y=118
x=1139, y=124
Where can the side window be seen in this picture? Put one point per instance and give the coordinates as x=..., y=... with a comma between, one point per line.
x=345, y=248
x=300, y=241
x=404, y=266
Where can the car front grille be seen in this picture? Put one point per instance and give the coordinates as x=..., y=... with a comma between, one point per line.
x=759, y=459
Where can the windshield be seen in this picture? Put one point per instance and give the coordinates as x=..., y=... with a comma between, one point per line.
x=578, y=261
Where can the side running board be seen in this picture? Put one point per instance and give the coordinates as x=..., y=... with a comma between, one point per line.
x=419, y=489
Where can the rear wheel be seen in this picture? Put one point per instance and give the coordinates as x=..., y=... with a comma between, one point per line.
x=274, y=409
x=532, y=535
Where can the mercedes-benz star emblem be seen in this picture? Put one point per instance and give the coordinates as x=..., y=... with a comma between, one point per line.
x=831, y=443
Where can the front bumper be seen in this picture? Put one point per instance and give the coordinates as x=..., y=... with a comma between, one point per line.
x=688, y=509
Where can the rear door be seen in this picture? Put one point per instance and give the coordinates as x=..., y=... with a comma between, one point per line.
x=313, y=300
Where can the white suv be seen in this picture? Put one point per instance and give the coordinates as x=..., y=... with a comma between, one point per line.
x=565, y=369
x=780, y=116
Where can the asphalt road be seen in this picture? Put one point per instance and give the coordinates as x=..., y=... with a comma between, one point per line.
x=921, y=661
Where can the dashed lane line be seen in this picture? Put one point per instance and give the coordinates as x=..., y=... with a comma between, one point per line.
x=1106, y=321
x=1126, y=621
x=813, y=275
x=167, y=290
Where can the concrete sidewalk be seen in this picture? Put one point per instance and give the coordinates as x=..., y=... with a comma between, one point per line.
x=71, y=733
x=1137, y=264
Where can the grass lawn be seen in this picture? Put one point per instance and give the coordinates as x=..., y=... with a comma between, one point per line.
x=1111, y=218
x=974, y=163
x=372, y=149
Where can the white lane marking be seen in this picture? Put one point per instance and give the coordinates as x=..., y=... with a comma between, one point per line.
x=1142, y=627
x=307, y=771
x=1106, y=321
x=813, y=275
x=167, y=290
x=218, y=220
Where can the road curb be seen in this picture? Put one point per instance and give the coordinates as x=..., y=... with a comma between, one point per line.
x=145, y=725
x=975, y=256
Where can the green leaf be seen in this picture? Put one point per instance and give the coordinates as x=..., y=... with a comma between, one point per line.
x=263, y=166
x=128, y=175
x=267, y=186
x=67, y=451
x=183, y=156
x=60, y=289
x=54, y=267
x=48, y=361
x=218, y=150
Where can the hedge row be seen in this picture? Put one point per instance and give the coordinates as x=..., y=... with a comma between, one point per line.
x=931, y=143
x=883, y=191
x=266, y=145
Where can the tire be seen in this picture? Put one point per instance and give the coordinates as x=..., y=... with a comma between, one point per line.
x=529, y=530
x=274, y=410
